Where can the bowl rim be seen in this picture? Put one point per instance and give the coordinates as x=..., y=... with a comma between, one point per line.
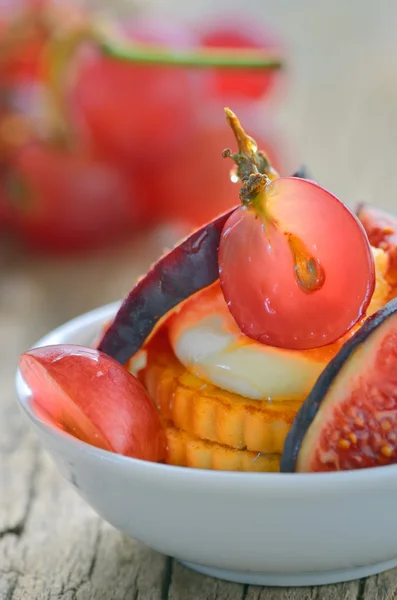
x=292, y=481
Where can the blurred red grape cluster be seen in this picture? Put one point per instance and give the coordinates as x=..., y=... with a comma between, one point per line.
x=108, y=146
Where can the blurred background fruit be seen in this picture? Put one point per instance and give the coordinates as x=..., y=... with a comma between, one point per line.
x=243, y=84
x=131, y=109
x=193, y=183
x=66, y=201
x=108, y=147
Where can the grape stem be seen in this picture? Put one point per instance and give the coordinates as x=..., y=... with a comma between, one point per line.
x=225, y=58
x=253, y=167
x=256, y=173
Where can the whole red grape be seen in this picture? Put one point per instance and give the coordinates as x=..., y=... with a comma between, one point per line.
x=244, y=83
x=131, y=111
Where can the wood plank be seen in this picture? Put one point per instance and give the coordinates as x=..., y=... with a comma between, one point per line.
x=57, y=547
x=345, y=591
x=188, y=584
x=380, y=587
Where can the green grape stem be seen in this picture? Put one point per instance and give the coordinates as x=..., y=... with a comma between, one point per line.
x=225, y=58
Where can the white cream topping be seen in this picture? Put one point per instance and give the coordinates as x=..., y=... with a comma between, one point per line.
x=207, y=341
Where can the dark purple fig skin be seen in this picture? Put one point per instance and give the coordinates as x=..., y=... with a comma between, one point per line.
x=188, y=268
x=313, y=402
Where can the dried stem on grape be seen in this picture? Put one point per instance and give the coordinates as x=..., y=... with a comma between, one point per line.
x=253, y=167
x=256, y=173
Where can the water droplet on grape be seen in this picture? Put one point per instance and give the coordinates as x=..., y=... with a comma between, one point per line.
x=268, y=308
x=234, y=178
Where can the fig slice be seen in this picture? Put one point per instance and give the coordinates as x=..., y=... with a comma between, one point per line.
x=185, y=270
x=381, y=229
x=349, y=420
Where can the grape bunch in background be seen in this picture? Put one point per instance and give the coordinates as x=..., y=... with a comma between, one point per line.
x=109, y=128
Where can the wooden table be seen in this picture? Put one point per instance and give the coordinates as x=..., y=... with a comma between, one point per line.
x=340, y=115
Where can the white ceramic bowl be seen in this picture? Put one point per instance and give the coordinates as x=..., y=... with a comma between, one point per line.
x=270, y=529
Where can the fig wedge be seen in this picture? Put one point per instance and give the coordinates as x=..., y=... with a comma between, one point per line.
x=189, y=267
x=89, y=395
x=381, y=229
x=349, y=420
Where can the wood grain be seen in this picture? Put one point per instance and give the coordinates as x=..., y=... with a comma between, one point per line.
x=340, y=117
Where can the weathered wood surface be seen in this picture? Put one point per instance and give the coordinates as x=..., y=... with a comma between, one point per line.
x=341, y=113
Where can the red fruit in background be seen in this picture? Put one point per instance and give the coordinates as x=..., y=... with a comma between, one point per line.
x=193, y=184
x=131, y=111
x=23, y=36
x=4, y=210
x=26, y=27
x=296, y=269
x=94, y=398
x=244, y=83
x=62, y=201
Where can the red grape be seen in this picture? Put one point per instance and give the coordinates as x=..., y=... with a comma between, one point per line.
x=132, y=111
x=93, y=397
x=247, y=83
x=296, y=271
x=66, y=201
